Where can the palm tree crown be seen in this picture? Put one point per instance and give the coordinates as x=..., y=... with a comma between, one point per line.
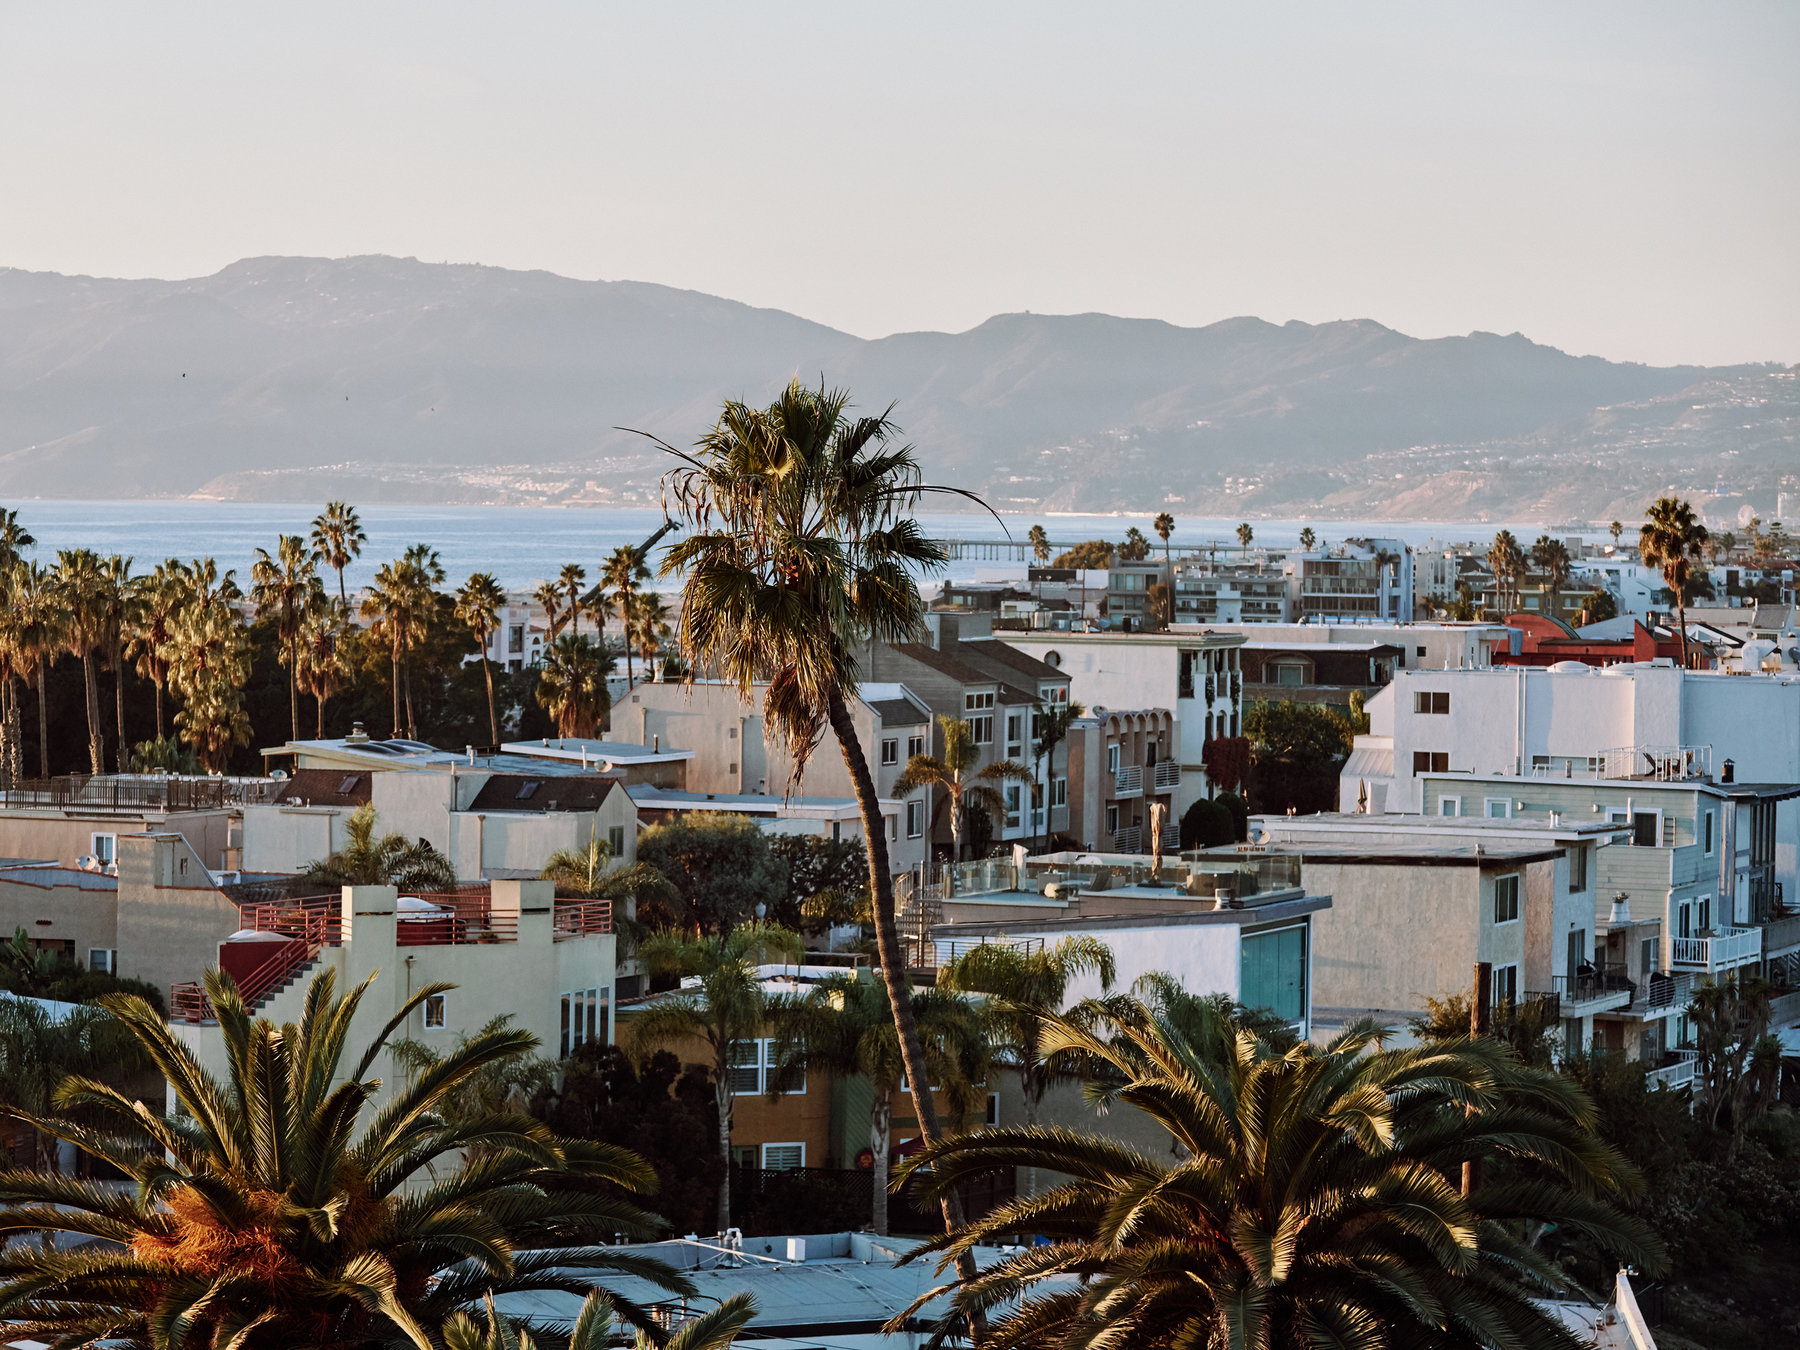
x=1308, y=1200
x=478, y=606
x=337, y=538
x=275, y=1210
x=964, y=786
x=282, y=585
x=1673, y=539
x=81, y=595
x=391, y=860
x=572, y=685
x=624, y=574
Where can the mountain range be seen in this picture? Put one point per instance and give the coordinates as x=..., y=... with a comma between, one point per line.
x=389, y=378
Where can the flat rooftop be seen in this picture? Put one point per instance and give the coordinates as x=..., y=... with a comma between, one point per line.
x=650, y=798
x=535, y=758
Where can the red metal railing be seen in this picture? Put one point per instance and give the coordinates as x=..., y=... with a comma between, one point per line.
x=308, y=922
x=578, y=918
x=463, y=918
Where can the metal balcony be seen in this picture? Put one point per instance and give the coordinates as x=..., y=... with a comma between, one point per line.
x=1129, y=781
x=1601, y=989
x=1727, y=948
x=1676, y=1069
x=1167, y=774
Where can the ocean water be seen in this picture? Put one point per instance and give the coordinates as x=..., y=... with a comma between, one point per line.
x=522, y=545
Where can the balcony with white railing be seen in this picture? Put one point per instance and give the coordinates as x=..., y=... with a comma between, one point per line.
x=1724, y=949
x=1167, y=774
x=1129, y=781
x=1677, y=1070
x=1127, y=838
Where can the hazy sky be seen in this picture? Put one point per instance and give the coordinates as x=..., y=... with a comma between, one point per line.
x=1622, y=179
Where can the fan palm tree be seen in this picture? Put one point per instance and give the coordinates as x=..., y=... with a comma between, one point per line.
x=337, y=538
x=1307, y=539
x=1023, y=988
x=391, y=860
x=1308, y=1201
x=1507, y=561
x=281, y=586
x=1673, y=539
x=624, y=574
x=36, y=619
x=725, y=1008
x=11, y=754
x=160, y=595
x=324, y=664
x=279, y=1209
x=549, y=596
x=401, y=601
x=716, y=1329
x=120, y=595
x=571, y=581
x=1616, y=529
x=14, y=538
x=1164, y=525
x=964, y=786
x=1051, y=723
x=478, y=606
x=1551, y=557
x=39, y=1049
x=846, y=1029
x=802, y=551
x=572, y=685
x=81, y=596
x=1245, y=534
x=209, y=664
x=1040, y=544
x=649, y=627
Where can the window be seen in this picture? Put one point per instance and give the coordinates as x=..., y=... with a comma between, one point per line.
x=103, y=959
x=1431, y=761
x=1059, y=792
x=1506, y=986
x=515, y=639
x=1707, y=835
x=915, y=819
x=978, y=702
x=915, y=745
x=526, y=789
x=586, y=1016
x=890, y=750
x=754, y=1065
x=1498, y=808
x=893, y=826
x=1272, y=972
x=1578, y=860
x=348, y=784
x=436, y=1010
x=731, y=733
x=1449, y=806
x=783, y=1157
x=1112, y=758
x=615, y=840
x=105, y=850
x=1506, y=898
x=1421, y=651
x=993, y=1110
x=1053, y=660
x=1184, y=674
x=1013, y=804
x=1290, y=673
x=1015, y=731
x=1054, y=694
x=1112, y=820
x=731, y=768
x=1437, y=703
x=982, y=730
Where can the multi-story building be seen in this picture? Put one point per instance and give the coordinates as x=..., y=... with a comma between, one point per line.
x=65, y=821
x=1361, y=579
x=1236, y=594
x=1120, y=764
x=1193, y=674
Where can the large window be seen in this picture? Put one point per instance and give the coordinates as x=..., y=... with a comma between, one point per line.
x=615, y=840
x=1578, y=869
x=1013, y=806
x=1506, y=986
x=1272, y=975
x=1433, y=702
x=1506, y=898
x=783, y=1157
x=915, y=745
x=981, y=730
x=586, y=1014
x=979, y=702
x=1431, y=761
x=915, y=819
x=754, y=1067
x=1059, y=792
x=890, y=750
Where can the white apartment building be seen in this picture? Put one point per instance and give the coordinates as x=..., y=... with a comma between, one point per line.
x=1422, y=646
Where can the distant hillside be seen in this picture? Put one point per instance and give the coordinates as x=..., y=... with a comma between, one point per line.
x=384, y=377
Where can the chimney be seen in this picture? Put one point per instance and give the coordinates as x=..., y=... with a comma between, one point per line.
x=1621, y=908
x=357, y=734
x=656, y=742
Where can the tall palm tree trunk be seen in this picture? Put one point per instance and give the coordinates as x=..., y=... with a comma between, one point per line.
x=43, y=722
x=158, y=684
x=487, y=673
x=293, y=688
x=118, y=665
x=396, y=684
x=96, y=737
x=343, y=596
x=319, y=707
x=1681, y=626
x=887, y=936
x=412, y=727
x=881, y=1125
x=722, y=1094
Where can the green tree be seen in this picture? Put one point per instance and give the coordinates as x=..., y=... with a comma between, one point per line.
x=1040, y=545
x=277, y=1208
x=337, y=539
x=1164, y=525
x=1023, y=988
x=1738, y=1063
x=120, y=605
x=548, y=596
x=1616, y=529
x=954, y=774
x=209, y=665
x=1244, y=534
x=1551, y=558
x=35, y=621
x=1090, y=553
x=39, y=1049
x=1507, y=562
x=1206, y=824
x=802, y=552
x=572, y=581
x=1296, y=752
x=79, y=583
x=1307, y=1200
x=720, y=865
x=1136, y=546
x=827, y=881
x=1673, y=540
x=478, y=606
x=281, y=587
x=649, y=627
x=624, y=574
x=846, y=1029
x=572, y=685
x=324, y=660
x=1307, y=539
x=400, y=603
x=1597, y=608
x=391, y=860
x=714, y=1329
x=726, y=1007
x=160, y=595
x=1051, y=723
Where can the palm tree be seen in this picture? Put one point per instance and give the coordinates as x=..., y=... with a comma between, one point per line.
x=964, y=786
x=1616, y=529
x=478, y=609
x=1507, y=560
x=649, y=627
x=623, y=573
x=120, y=595
x=209, y=664
x=1307, y=539
x=39, y=1049
x=571, y=582
x=1164, y=525
x=572, y=685
x=282, y=585
x=726, y=1007
x=277, y=1208
x=14, y=644
x=802, y=551
x=401, y=601
x=1052, y=722
x=549, y=596
x=37, y=627
x=1551, y=557
x=160, y=595
x=1307, y=1200
x=1673, y=539
x=716, y=1329
x=392, y=860
x=587, y=873
x=337, y=538
x=1245, y=534
x=1040, y=544
x=1024, y=987
x=81, y=596
x=14, y=538
x=846, y=1029
x=324, y=665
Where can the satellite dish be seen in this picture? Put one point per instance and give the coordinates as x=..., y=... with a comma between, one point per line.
x=280, y=775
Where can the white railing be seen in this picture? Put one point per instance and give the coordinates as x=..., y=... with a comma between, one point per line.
x=1168, y=774
x=1657, y=763
x=1128, y=780
x=1127, y=839
x=1677, y=1073
x=1727, y=947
